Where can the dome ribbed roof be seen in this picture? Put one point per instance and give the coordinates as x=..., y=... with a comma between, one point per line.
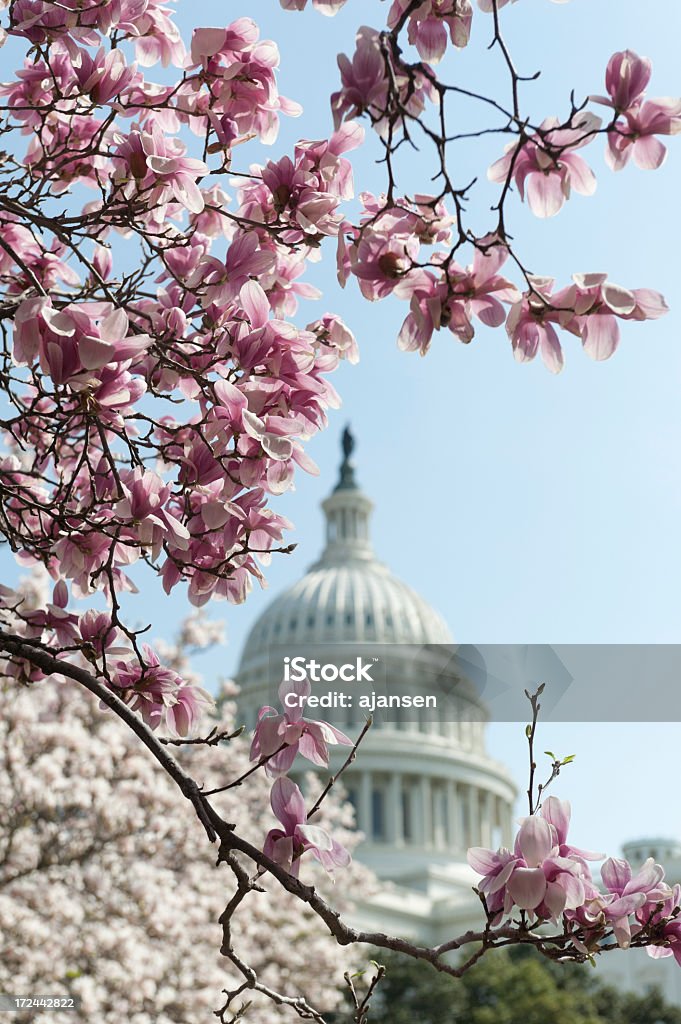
x=348, y=595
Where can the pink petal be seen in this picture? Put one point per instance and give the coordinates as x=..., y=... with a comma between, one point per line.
x=582, y=178
x=600, y=335
x=482, y=860
x=288, y=804
x=300, y=690
x=268, y=734
x=649, y=153
x=527, y=887
x=616, y=873
x=488, y=310
x=545, y=194
x=535, y=840
x=557, y=813
x=94, y=353
x=255, y=303
x=187, y=192
x=430, y=38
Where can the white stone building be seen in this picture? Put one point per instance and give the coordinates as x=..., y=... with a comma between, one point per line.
x=424, y=789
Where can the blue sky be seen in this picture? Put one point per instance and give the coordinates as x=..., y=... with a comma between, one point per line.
x=526, y=508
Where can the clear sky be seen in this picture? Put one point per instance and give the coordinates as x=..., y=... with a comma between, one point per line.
x=527, y=508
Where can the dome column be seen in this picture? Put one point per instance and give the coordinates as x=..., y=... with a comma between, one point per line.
x=426, y=811
x=454, y=840
x=507, y=824
x=473, y=817
x=364, y=816
x=486, y=819
x=395, y=824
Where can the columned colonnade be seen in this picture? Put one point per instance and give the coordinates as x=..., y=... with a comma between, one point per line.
x=403, y=809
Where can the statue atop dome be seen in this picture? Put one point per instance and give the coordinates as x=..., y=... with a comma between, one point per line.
x=347, y=470
x=347, y=442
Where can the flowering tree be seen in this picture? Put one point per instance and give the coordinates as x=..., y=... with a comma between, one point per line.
x=158, y=393
x=105, y=894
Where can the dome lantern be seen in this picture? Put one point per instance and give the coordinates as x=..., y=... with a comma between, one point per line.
x=348, y=511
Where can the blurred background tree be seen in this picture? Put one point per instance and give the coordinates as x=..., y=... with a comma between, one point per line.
x=512, y=986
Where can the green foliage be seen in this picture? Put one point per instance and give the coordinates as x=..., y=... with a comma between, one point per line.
x=509, y=987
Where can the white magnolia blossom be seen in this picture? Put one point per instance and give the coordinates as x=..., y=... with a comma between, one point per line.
x=108, y=886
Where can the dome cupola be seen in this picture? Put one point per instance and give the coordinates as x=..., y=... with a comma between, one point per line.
x=347, y=595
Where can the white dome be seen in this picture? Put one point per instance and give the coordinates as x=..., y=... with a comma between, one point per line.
x=360, y=603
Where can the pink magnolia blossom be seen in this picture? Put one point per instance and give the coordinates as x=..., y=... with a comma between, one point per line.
x=628, y=895
x=157, y=37
x=300, y=735
x=384, y=255
x=75, y=343
x=481, y=286
x=626, y=79
x=286, y=845
x=648, y=882
x=99, y=635
x=431, y=308
x=666, y=921
x=28, y=95
x=546, y=166
x=223, y=280
x=293, y=190
x=542, y=881
x=550, y=879
x=335, y=333
x=54, y=619
x=325, y=159
x=530, y=326
x=148, y=163
x=146, y=506
x=160, y=695
x=104, y=75
x=239, y=71
x=535, y=877
x=597, y=304
x=635, y=136
x=146, y=21
x=364, y=87
x=453, y=300
x=430, y=22
x=590, y=308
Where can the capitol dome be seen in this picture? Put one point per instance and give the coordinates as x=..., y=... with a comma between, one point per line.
x=348, y=595
x=423, y=785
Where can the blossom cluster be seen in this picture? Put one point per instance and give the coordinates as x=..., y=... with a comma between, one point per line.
x=277, y=739
x=155, y=412
x=384, y=250
x=549, y=880
x=156, y=691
